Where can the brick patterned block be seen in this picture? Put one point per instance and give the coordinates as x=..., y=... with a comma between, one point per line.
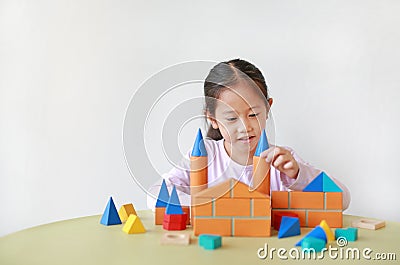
x=300, y=213
x=202, y=207
x=232, y=207
x=222, y=227
x=334, y=200
x=252, y=227
x=306, y=200
x=280, y=199
x=334, y=219
x=261, y=207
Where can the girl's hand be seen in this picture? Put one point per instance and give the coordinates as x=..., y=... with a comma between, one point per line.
x=282, y=160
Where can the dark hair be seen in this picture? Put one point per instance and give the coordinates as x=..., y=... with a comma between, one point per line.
x=221, y=77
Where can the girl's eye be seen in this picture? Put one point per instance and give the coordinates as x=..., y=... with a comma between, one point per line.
x=254, y=114
x=230, y=119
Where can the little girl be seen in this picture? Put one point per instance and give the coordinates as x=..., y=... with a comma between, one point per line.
x=237, y=106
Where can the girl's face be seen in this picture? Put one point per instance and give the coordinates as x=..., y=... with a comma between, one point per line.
x=240, y=115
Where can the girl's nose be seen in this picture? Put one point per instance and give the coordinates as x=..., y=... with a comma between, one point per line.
x=245, y=126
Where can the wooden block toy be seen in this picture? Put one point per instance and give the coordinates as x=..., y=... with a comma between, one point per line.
x=221, y=227
x=238, y=212
x=133, y=225
x=232, y=207
x=174, y=226
x=335, y=219
x=163, y=196
x=349, y=233
x=278, y=218
x=306, y=200
x=317, y=232
x=198, y=165
x=316, y=185
x=175, y=218
x=312, y=244
x=261, y=170
x=186, y=210
x=261, y=207
x=210, y=242
x=202, y=206
x=334, y=200
x=368, y=224
x=110, y=215
x=288, y=212
x=329, y=234
x=175, y=221
x=174, y=205
x=175, y=239
x=251, y=227
x=322, y=183
x=280, y=199
x=125, y=211
x=161, y=204
x=221, y=190
x=159, y=215
x=290, y=226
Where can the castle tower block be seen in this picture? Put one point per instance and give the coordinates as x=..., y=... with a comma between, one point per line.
x=261, y=170
x=198, y=166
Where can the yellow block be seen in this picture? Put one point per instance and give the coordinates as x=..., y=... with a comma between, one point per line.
x=133, y=225
x=125, y=211
x=329, y=234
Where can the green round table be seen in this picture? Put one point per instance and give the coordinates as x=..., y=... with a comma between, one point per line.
x=86, y=241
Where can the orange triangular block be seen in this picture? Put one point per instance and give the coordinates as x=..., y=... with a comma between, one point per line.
x=125, y=211
x=241, y=190
x=231, y=188
x=222, y=189
x=133, y=225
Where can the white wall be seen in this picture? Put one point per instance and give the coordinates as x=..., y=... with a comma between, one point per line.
x=69, y=68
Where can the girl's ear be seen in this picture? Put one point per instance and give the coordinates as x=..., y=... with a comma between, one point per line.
x=212, y=120
x=270, y=101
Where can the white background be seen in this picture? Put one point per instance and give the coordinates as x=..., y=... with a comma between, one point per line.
x=69, y=68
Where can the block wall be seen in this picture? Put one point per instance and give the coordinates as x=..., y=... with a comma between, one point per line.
x=232, y=216
x=312, y=207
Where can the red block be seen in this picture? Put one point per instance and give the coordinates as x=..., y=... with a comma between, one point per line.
x=278, y=218
x=175, y=221
x=174, y=226
x=176, y=218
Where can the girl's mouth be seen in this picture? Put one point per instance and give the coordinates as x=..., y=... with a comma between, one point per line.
x=247, y=139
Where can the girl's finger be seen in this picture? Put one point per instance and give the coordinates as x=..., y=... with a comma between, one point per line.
x=281, y=160
x=274, y=153
x=288, y=165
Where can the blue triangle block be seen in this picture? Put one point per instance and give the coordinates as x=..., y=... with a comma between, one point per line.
x=199, y=148
x=174, y=205
x=317, y=232
x=290, y=226
x=262, y=144
x=322, y=183
x=163, y=195
x=316, y=184
x=329, y=185
x=110, y=215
